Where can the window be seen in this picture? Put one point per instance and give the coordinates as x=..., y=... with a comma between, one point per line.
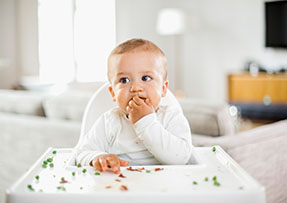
x=75, y=38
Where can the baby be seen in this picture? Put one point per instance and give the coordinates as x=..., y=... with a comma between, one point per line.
x=140, y=130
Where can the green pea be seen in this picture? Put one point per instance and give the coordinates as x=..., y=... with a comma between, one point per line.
x=30, y=187
x=50, y=159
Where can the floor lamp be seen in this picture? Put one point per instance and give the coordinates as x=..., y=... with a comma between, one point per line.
x=171, y=22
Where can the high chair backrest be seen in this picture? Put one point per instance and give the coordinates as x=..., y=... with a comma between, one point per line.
x=101, y=101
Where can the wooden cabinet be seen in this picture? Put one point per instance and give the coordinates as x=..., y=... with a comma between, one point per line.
x=266, y=89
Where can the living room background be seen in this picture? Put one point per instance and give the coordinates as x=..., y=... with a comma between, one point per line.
x=221, y=36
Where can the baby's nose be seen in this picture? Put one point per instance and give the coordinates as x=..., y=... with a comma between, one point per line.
x=136, y=87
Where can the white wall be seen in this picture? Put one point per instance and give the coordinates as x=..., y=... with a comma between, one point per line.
x=8, y=74
x=18, y=41
x=221, y=36
x=27, y=37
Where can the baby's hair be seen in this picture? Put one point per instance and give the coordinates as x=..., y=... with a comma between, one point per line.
x=136, y=45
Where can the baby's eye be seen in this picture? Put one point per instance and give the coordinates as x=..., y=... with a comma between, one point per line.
x=146, y=78
x=124, y=80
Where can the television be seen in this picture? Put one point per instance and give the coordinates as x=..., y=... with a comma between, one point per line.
x=276, y=24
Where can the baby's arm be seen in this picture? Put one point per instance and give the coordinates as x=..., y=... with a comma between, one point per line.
x=169, y=140
x=92, y=150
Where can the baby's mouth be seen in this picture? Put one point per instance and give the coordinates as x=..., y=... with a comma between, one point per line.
x=143, y=98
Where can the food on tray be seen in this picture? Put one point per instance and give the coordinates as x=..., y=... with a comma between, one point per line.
x=135, y=169
x=63, y=180
x=122, y=176
x=123, y=187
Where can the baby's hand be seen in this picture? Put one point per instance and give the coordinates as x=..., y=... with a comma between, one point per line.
x=106, y=161
x=139, y=108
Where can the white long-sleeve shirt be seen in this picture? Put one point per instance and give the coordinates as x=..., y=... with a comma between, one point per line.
x=159, y=138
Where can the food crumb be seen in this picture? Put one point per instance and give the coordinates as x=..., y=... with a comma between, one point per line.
x=158, y=169
x=118, y=180
x=124, y=188
x=61, y=188
x=108, y=186
x=135, y=169
x=63, y=180
x=122, y=176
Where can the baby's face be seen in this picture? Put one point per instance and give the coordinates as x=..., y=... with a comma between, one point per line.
x=139, y=73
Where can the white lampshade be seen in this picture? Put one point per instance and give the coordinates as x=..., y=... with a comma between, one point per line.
x=170, y=21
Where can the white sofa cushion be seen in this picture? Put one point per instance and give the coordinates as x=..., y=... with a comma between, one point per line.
x=69, y=105
x=208, y=118
x=22, y=102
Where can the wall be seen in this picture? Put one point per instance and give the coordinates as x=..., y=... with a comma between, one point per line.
x=18, y=40
x=221, y=36
x=27, y=37
x=8, y=74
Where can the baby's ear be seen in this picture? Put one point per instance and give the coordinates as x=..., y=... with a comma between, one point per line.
x=164, y=88
x=112, y=93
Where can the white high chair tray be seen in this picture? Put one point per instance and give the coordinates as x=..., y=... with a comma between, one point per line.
x=215, y=178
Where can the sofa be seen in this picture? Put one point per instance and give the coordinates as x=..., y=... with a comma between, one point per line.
x=32, y=121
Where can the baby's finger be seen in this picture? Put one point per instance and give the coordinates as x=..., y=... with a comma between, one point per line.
x=132, y=104
x=129, y=109
x=148, y=102
x=138, y=100
x=116, y=169
x=103, y=164
x=124, y=163
x=97, y=166
x=114, y=164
